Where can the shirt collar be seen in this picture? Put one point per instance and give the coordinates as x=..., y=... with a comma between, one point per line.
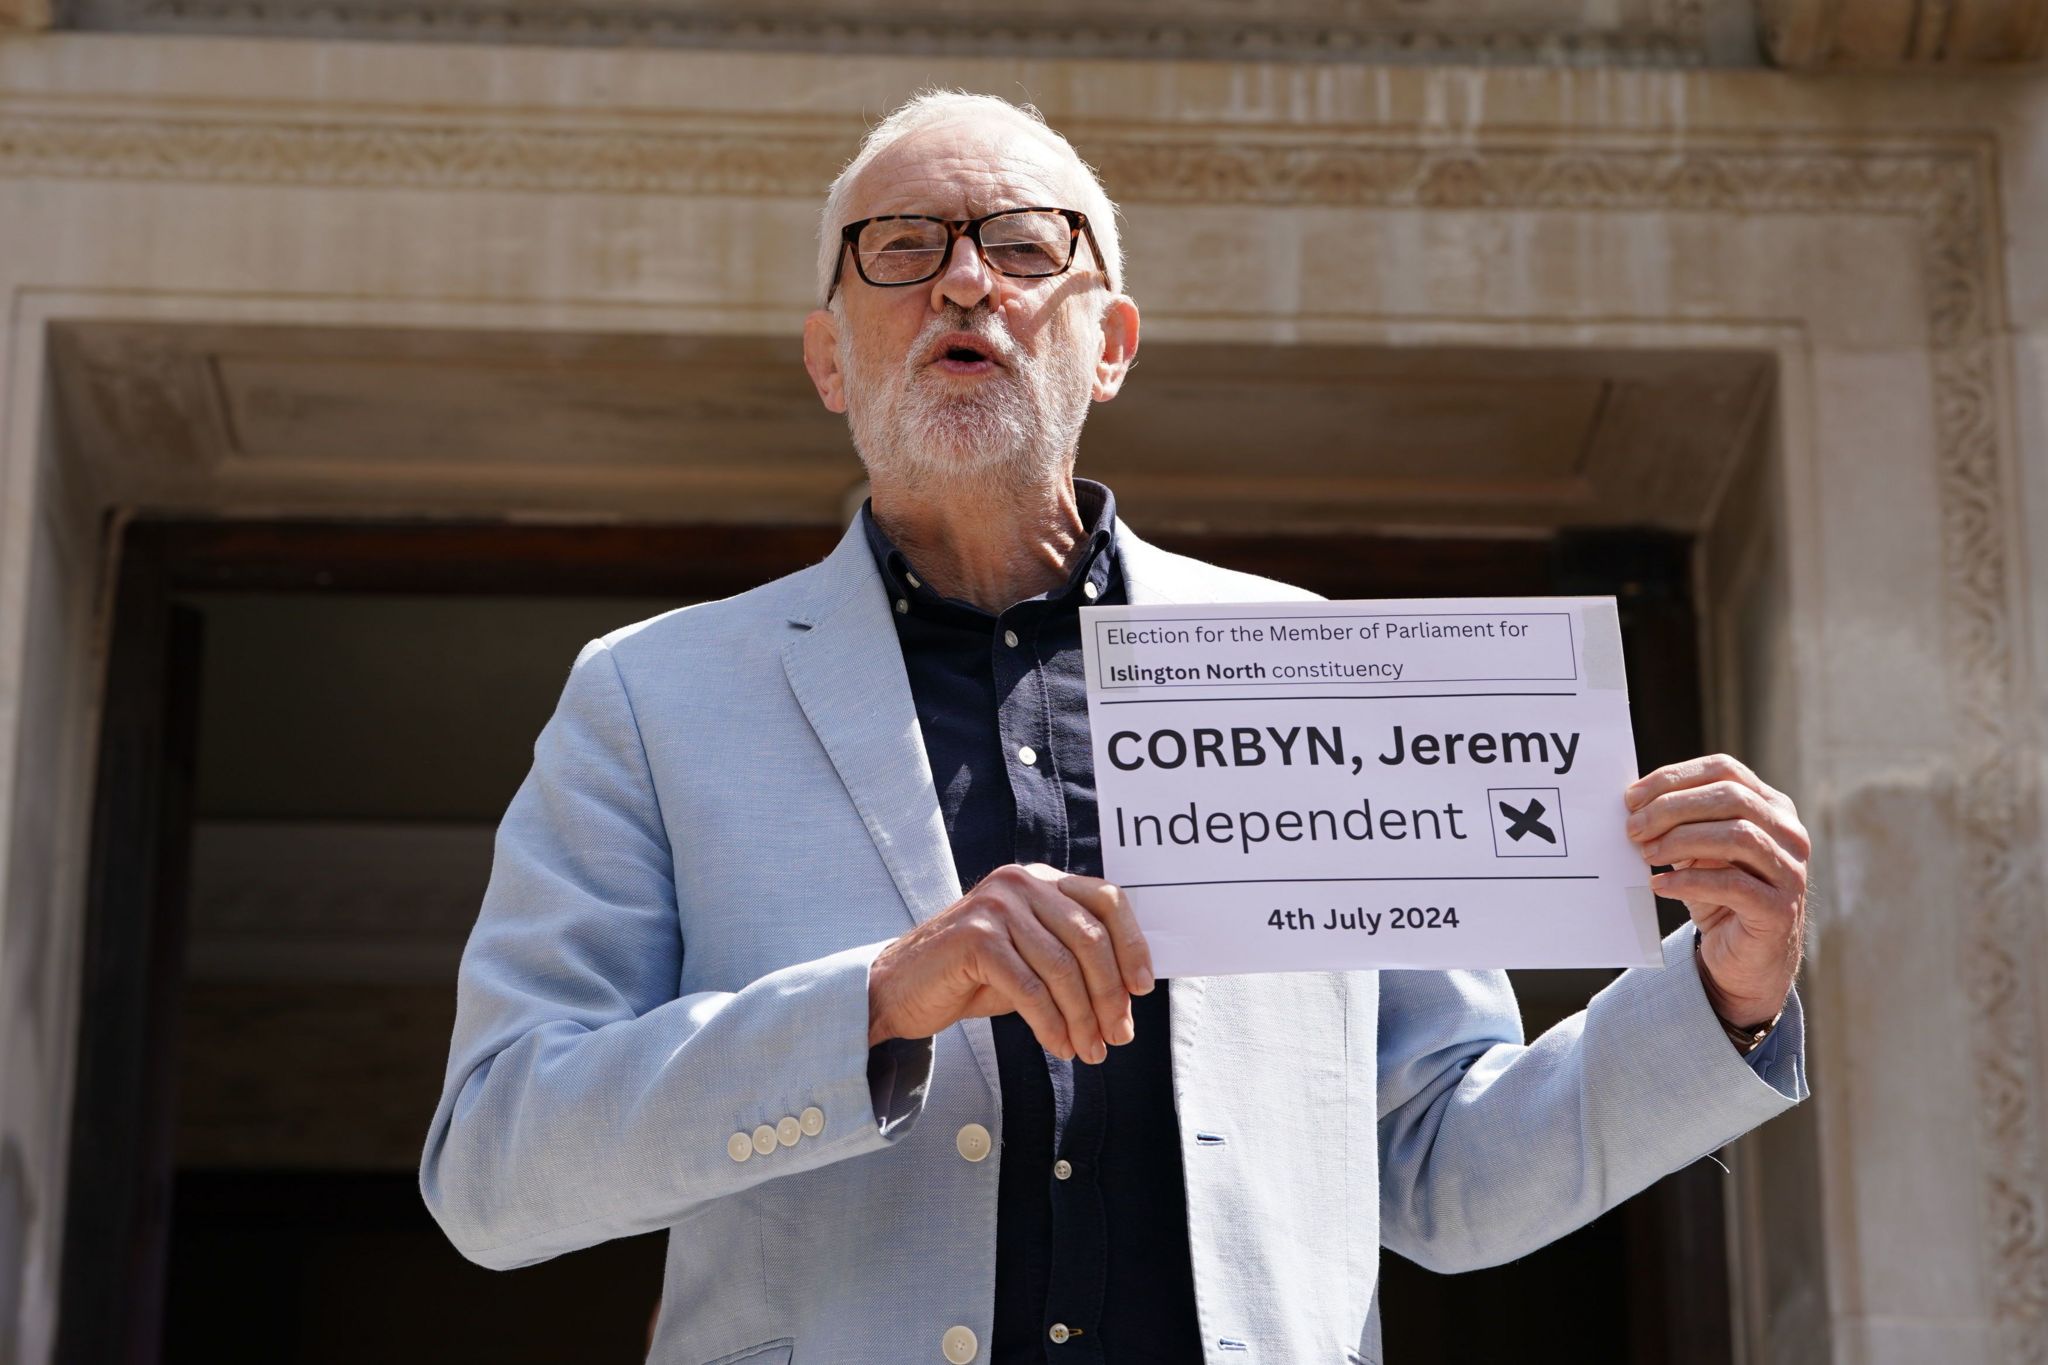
x=1089, y=582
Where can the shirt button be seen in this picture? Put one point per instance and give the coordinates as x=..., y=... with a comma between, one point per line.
x=1062, y=1168
x=788, y=1131
x=973, y=1142
x=812, y=1121
x=764, y=1139
x=739, y=1147
x=1027, y=755
x=902, y=605
x=1010, y=638
x=1059, y=1332
x=1090, y=590
x=959, y=1345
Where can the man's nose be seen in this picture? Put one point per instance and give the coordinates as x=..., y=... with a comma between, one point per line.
x=966, y=280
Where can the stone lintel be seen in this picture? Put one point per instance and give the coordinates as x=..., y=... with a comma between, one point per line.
x=1885, y=35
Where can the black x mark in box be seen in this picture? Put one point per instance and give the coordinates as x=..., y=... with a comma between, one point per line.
x=1528, y=822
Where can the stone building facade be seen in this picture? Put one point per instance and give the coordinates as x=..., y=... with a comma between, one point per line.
x=1771, y=278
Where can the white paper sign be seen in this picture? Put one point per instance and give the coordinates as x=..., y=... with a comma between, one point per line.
x=1322, y=786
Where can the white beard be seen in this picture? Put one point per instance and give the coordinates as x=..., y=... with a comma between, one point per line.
x=1015, y=430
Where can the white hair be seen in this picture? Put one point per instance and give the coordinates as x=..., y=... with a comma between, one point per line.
x=929, y=107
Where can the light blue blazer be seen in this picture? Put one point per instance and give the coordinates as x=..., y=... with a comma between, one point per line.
x=730, y=813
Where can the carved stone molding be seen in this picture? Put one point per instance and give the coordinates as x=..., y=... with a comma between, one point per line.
x=422, y=155
x=1564, y=32
x=1946, y=188
x=1880, y=35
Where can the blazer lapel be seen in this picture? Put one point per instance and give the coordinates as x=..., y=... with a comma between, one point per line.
x=1149, y=578
x=846, y=668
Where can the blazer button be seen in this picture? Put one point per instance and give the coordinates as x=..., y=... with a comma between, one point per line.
x=973, y=1142
x=959, y=1345
x=1059, y=1333
x=812, y=1121
x=788, y=1131
x=764, y=1139
x=739, y=1146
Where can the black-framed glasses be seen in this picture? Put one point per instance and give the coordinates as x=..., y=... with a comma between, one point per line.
x=910, y=248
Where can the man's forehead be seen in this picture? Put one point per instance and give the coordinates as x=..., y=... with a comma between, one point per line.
x=964, y=168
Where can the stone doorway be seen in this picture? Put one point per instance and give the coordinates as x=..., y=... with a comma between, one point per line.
x=346, y=708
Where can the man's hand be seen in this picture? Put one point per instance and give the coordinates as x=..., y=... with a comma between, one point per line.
x=1738, y=857
x=1062, y=950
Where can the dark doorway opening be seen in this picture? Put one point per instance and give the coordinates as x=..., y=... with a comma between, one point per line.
x=257, y=1058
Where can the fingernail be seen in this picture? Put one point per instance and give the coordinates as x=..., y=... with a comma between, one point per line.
x=1127, y=1029
x=1101, y=1053
x=1650, y=849
x=1144, y=976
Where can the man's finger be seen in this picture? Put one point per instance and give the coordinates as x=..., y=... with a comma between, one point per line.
x=1088, y=939
x=1739, y=842
x=1725, y=800
x=1113, y=908
x=1697, y=772
x=1757, y=904
x=1011, y=977
x=1064, y=977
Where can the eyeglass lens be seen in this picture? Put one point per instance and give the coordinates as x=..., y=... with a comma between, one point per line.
x=902, y=250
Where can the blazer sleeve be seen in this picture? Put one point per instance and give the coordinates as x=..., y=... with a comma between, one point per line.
x=1490, y=1149
x=584, y=1099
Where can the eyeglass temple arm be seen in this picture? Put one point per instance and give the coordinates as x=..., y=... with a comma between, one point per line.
x=1088, y=231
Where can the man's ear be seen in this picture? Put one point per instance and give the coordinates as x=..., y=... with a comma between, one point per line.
x=821, y=358
x=1119, y=347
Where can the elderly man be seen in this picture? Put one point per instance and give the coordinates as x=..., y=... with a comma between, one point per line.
x=726, y=980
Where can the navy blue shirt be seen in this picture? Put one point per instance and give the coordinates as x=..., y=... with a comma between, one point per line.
x=1091, y=1213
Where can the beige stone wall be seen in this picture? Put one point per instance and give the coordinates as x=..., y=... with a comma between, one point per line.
x=1876, y=608
x=2026, y=217
x=1563, y=32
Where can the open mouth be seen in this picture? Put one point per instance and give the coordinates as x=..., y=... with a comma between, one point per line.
x=960, y=353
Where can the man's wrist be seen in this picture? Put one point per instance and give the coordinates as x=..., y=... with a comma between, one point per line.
x=878, y=1030
x=1749, y=1040
x=1746, y=1038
